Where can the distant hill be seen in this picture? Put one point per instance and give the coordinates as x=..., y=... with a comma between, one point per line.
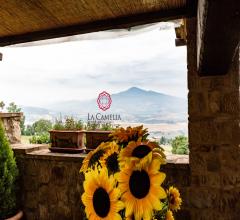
x=134, y=105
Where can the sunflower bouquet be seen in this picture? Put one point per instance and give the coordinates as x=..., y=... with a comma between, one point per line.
x=123, y=179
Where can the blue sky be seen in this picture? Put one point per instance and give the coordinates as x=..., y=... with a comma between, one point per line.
x=78, y=70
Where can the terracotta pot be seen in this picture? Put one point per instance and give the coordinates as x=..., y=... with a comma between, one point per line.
x=95, y=138
x=67, y=141
x=18, y=216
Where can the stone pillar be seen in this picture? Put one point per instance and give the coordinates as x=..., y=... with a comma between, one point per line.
x=11, y=123
x=214, y=139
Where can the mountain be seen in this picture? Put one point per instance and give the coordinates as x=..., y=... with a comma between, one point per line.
x=134, y=105
x=33, y=114
x=150, y=106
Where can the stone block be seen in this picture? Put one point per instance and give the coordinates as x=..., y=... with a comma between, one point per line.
x=204, y=197
x=62, y=212
x=30, y=215
x=44, y=212
x=30, y=183
x=197, y=103
x=30, y=167
x=43, y=194
x=214, y=102
x=11, y=123
x=230, y=103
x=198, y=161
x=44, y=172
x=229, y=200
x=206, y=214
x=213, y=163
x=59, y=175
x=206, y=179
x=30, y=201
x=213, y=131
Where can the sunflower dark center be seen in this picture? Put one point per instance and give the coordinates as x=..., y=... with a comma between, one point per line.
x=141, y=151
x=172, y=199
x=95, y=158
x=112, y=163
x=139, y=184
x=101, y=202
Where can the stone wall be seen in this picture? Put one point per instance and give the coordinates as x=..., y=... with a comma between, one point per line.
x=11, y=122
x=214, y=138
x=51, y=186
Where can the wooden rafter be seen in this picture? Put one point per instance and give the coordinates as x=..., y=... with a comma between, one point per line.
x=101, y=25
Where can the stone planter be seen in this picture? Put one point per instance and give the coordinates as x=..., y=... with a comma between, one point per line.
x=67, y=141
x=94, y=138
x=18, y=216
x=11, y=123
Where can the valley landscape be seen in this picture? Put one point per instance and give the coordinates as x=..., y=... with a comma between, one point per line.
x=160, y=113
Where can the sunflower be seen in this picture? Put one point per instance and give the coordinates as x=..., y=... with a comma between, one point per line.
x=94, y=156
x=120, y=135
x=110, y=159
x=123, y=136
x=169, y=215
x=141, y=189
x=174, y=198
x=137, y=152
x=101, y=197
x=158, y=152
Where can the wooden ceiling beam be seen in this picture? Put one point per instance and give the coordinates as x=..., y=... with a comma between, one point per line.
x=218, y=35
x=101, y=25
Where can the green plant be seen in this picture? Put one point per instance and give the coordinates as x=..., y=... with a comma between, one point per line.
x=2, y=104
x=43, y=138
x=165, y=141
x=70, y=124
x=8, y=177
x=42, y=126
x=13, y=108
x=107, y=126
x=79, y=125
x=29, y=131
x=92, y=125
x=180, y=145
x=59, y=125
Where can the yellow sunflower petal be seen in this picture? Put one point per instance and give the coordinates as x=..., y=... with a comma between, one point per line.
x=141, y=204
x=99, y=182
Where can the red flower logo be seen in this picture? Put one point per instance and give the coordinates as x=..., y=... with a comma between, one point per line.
x=104, y=101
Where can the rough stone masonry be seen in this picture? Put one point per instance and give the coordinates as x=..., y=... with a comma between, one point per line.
x=214, y=138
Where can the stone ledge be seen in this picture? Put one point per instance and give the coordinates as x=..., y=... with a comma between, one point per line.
x=46, y=154
x=11, y=115
x=28, y=148
x=177, y=159
x=39, y=151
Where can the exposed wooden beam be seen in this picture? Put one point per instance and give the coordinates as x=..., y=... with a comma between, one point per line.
x=218, y=35
x=101, y=25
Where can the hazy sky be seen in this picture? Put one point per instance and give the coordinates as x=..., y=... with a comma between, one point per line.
x=36, y=76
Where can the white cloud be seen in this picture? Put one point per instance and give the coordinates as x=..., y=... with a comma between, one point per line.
x=79, y=70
